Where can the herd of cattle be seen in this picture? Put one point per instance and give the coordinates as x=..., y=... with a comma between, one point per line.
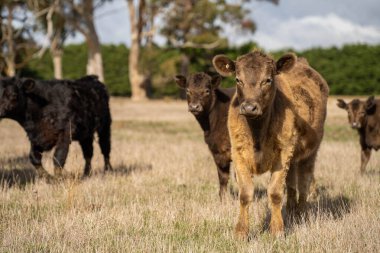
x=273, y=120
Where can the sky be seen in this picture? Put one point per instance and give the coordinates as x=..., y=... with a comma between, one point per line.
x=297, y=24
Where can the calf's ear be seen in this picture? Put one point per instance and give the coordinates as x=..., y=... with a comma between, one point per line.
x=370, y=104
x=223, y=65
x=27, y=84
x=215, y=81
x=181, y=81
x=286, y=63
x=342, y=104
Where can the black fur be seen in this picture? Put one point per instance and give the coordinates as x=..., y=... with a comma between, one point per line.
x=53, y=113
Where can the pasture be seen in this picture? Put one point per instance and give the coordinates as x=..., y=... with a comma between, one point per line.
x=163, y=193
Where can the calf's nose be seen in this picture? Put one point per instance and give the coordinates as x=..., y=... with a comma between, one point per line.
x=249, y=107
x=194, y=107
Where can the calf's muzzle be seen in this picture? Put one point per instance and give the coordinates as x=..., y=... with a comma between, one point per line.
x=250, y=109
x=195, y=108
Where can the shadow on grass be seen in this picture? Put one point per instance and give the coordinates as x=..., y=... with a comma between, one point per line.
x=332, y=207
x=258, y=193
x=325, y=205
x=371, y=173
x=127, y=169
x=20, y=172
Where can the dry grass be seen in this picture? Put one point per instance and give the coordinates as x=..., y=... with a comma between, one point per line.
x=162, y=196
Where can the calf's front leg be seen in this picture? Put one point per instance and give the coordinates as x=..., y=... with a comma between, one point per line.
x=35, y=157
x=275, y=196
x=61, y=152
x=244, y=179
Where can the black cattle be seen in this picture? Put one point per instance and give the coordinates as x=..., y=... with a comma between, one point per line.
x=53, y=113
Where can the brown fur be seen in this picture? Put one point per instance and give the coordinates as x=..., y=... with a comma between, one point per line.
x=364, y=116
x=210, y=104
x=275, y=124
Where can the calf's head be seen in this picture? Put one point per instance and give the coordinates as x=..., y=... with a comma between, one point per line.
x=12, y=95
x=358, y=111
x=255, y=75
x=199, y=89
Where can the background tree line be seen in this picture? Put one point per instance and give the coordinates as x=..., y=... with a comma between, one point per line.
x=350, y=70
x=184, y=24
x=194, y=31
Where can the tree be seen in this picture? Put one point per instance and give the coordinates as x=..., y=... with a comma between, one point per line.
x=136, y=78
x=79, y=14
x=142, y=14
x=50, y=19
x=16, y=43
x=201, y=23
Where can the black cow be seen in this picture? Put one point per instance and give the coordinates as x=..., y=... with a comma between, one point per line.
x=53, y=113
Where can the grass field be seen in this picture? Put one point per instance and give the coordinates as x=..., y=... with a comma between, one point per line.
x=163, y=193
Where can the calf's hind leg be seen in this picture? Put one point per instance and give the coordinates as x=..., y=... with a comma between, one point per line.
x=305, y=174
x=104, y=134
x=291, y=189
x=223, y=174
x=365, y=155
x=88, y=152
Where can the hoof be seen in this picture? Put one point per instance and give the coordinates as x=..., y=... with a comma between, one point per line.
x=62, y=174
x=277, y=231
x=108, y=167
x=85, y=176
x=241, y=232
x=44, y=175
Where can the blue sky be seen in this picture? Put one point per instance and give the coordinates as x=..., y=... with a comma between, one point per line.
x=298, y=24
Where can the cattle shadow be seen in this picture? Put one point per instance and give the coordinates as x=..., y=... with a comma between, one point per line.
x=128, y=169
x=325, y=205
x=258, y=193
x=19, y=173
x=371, y=173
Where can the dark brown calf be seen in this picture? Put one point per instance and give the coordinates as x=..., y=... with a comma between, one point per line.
x=209, y=104
x=364, y=116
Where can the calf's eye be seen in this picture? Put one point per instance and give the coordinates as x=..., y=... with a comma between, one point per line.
x=268, y=81
x=239, y=82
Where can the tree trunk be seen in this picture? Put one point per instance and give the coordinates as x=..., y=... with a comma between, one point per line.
x=10, y=56
x=56, y=54
x=57, y=62
x=10, y=69
x=94, y=59
x=135, y=77
x=185, y=63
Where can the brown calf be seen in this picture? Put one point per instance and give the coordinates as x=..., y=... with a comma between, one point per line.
x=275, y=124
x=209, y=104
x=364, y=116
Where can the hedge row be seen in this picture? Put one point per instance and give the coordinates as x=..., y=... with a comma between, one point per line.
x=351, y=70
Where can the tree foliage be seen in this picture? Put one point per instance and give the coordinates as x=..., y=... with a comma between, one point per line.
x=351, y=70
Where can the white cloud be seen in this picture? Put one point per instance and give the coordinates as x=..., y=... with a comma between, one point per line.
x=297, y=24
x=313, y=31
